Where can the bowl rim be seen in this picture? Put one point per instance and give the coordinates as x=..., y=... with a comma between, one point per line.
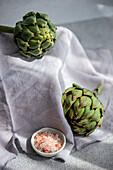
x=47, y=129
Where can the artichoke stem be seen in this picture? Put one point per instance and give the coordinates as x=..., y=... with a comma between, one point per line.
x=6, y=29
x=98, y=90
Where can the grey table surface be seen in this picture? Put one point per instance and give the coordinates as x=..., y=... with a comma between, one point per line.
x=92, y=22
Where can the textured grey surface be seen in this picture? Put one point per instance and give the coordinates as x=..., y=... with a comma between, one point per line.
x=97, y=156
x=92, y=22
x=59, y=11
x=94, y=33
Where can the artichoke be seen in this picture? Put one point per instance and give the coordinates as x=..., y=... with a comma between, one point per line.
x=82, y=109
x=35, y=35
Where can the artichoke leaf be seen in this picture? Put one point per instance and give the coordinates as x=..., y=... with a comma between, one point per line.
x=53, y=35
x=65, y=108
x=80, y=113
x=83, y=122
x=38, y=37
x=91, y=131
x=69, y=100
x=71, y=113
x=88, y=112
x=90, y=126
x=33, y=44
x=77, y=86
x=26, y=34
x=25, y=54
x=45, y=44
x=79, y=130
x=29, y=14
x=96, y=115
x=95, y=102
x=100, y=121
x=69, y=89
x=76, y=104
x=41, y=22
x=44, y=16
x=35, y=52
x=22, y=44
x=87, y=92
x=31, y=20
x=85, y=101
x=76, y=93
x=52, y=26
x=63, y=98
x=50, y=46
x=34, y=29
x=18, y=28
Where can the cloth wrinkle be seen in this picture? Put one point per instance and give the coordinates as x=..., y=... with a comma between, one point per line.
x=33, y=91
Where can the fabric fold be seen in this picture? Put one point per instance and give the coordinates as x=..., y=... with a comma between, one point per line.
x=33, y=90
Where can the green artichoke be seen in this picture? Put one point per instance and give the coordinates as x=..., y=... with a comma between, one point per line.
x=35, y=35
x=82, y=109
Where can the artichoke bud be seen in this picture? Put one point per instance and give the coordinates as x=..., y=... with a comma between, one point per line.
x=82, y=109
x=35, y=35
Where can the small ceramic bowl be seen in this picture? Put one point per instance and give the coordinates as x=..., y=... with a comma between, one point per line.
x=53, y=131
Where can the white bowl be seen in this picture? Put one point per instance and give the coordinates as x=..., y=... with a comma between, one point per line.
x=51, y=130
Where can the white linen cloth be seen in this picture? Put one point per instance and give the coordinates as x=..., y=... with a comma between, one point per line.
x=31, y=91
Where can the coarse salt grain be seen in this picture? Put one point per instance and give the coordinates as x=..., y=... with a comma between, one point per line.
x=47, y=142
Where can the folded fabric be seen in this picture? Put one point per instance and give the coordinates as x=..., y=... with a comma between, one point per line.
x=32, y=91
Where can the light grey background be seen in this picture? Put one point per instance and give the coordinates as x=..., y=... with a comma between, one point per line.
x=60, y=11
x=92, y=23
x=90, y=20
